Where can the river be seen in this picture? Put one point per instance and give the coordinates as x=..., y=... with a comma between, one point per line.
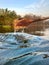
x=24, y=49
x=46, y=34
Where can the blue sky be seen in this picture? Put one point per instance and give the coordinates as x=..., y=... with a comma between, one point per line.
x=38, y=7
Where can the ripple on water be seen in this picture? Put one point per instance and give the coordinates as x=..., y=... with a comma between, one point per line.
x=23, y=49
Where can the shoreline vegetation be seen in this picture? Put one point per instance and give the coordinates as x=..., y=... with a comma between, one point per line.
x=10, y=22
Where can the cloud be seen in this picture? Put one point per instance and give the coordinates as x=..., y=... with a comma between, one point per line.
x=32, y=6
x=38, y=8
x=36, y=5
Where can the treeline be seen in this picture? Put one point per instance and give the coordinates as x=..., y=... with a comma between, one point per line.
x=7, y=17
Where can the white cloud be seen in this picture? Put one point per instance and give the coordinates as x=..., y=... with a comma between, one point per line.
x=36, y=5
x=39, y=8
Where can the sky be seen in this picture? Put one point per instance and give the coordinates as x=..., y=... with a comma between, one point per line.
x=22, y=7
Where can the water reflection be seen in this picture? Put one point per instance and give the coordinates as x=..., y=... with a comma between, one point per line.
x=38, y=33
x=46, y=34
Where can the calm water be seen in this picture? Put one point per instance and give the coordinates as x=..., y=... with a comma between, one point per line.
x=46, y=34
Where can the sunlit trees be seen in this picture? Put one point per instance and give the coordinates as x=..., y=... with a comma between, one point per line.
x=32, y=16
x=7, y=17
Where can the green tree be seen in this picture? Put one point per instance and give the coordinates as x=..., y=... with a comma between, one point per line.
x=6, y=18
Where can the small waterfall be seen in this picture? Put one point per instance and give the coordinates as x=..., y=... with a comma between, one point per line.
x=23, y=30
x=15, y=31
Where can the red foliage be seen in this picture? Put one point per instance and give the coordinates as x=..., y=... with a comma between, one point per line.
x=24, y=22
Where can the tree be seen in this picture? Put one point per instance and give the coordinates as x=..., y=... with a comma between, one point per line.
x=7, y=17
x=2, y=19
x=32, y=17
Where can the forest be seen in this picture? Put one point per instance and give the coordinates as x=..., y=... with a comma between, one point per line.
x=7, y=17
